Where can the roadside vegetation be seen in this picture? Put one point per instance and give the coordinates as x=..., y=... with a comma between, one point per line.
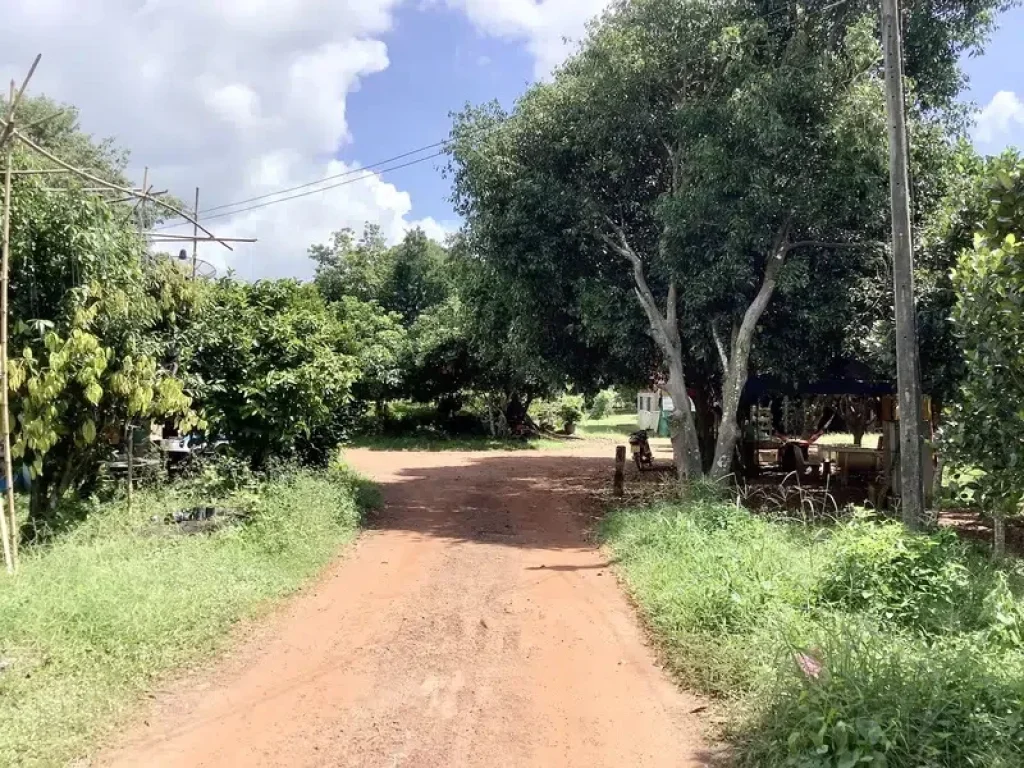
x=613, y=233
x=839, y=645
x=98, y=614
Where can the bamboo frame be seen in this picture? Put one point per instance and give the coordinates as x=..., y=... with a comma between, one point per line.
x=109, y=185
x=159, y=236
x=8, y=133
x=9, y=527
x=10, y=558
x=195, y=237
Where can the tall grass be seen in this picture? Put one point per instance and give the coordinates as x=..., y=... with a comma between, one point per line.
x=859, y=644
x=100, y=612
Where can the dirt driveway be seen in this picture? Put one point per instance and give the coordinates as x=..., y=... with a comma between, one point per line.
x=473, y=626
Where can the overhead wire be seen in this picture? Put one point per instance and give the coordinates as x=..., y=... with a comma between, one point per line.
x=366, y=175
x=373, y=169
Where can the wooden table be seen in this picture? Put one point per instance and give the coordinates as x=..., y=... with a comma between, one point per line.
x=857, y=458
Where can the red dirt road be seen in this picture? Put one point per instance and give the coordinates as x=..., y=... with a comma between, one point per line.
x=473, y=626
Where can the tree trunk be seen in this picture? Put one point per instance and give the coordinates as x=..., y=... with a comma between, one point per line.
x=707, y=427
x=665, y=331
x=736, y=362
x=685, y=446
x=998, y=536
x=940, y=469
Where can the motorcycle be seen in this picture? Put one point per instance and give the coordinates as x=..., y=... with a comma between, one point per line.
x=641, y=450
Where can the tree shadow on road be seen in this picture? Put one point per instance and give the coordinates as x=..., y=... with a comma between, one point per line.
x=546, y=501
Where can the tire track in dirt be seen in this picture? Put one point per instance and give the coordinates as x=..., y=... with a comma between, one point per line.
x=474, y=625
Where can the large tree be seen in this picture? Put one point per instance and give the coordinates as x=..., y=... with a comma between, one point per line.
x=705, y=157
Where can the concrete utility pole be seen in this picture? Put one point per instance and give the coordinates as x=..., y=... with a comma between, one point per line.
x=907, y=359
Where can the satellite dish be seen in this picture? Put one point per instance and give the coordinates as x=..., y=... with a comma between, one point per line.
x=182, y=255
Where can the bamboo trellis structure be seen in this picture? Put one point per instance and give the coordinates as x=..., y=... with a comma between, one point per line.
x=9, y=133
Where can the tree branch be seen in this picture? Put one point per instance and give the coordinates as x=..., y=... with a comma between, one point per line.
x=723, y=356
x=776, y=259
x=659, y=324
x=670, y=307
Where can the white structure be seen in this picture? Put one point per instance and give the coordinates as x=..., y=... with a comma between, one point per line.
x=650, y=406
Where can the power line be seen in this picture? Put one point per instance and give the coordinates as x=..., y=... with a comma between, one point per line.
x=365, y=172
x=328, y=178
x=315, y=191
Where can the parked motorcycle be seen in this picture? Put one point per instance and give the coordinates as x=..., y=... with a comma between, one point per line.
x=641, y=450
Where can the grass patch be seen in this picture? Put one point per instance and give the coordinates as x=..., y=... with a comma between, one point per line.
x=615, y=425
x=859, y=644
x=98, y=614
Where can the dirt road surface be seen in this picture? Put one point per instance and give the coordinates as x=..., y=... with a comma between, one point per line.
x=474, y=625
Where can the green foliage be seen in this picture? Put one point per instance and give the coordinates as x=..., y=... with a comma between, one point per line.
x=349, y=268
x=93, y=335
x=989, y=317
x=98, y=615
x=863, y=644
x=275, y=366
x=893, y=701
x=605, y=403
x=565, y=410
x=570, y=409
x=629, y=131
x=916, y=582
x=380, y=342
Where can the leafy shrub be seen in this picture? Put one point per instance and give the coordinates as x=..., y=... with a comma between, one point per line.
x=914, y=581
x=605, y=403
x=564, y=410
x=570, y=409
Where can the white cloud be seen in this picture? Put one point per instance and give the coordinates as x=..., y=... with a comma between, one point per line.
x=244, y=97
x=434, y=229
x=996, y=121
x=239, y=97
x=549, y=28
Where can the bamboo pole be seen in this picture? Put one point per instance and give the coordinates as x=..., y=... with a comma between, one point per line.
x=124, y=190
x=15, y=100
x=47, y=171
x=9, y=529
x=158, y=236
x=195, y=236
x=130, y=430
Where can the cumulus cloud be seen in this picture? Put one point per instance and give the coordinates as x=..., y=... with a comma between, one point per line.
x=246, y=97
x=239, y=97
x=550, y=29
x=996, y=121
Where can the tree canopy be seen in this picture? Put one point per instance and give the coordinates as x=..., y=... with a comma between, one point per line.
x=725, y=163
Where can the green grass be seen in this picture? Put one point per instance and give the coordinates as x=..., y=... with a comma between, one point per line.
x=918, y=638
x=616, y=425
x=100, y=613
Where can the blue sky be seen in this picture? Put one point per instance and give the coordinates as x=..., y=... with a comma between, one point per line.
x=244, y=98
x=1000, y=69
x=439, y=63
